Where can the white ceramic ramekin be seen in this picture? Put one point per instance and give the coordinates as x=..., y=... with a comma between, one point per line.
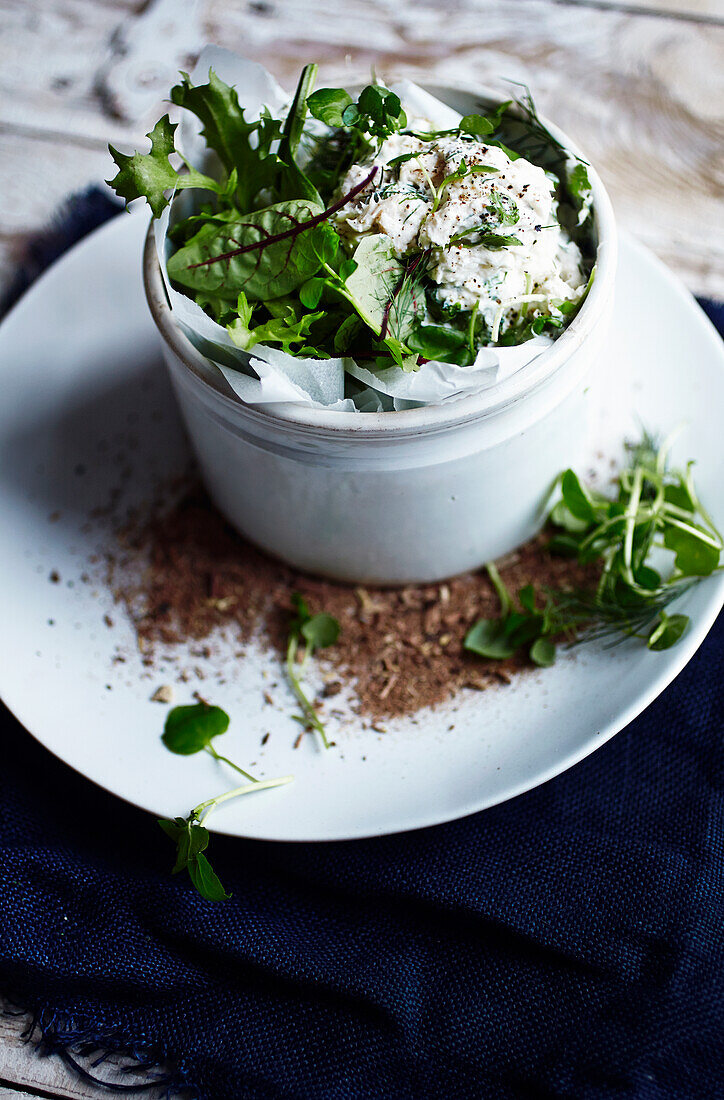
x=397, y=497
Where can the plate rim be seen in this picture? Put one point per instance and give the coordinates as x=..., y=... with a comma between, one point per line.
x=654, y=687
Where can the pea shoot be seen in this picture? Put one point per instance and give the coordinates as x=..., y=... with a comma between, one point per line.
x=307, y=633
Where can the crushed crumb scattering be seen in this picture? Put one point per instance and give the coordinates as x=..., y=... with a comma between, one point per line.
x=186, y=574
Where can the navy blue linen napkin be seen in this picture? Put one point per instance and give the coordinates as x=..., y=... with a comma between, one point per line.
x=567, y=944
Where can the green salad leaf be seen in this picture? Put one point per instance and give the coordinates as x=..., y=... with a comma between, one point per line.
x=263, y=254
x=190, y=729
x=150, y=175
x=214, y=260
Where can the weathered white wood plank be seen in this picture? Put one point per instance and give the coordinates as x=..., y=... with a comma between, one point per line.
x=37, y=174
x=640, y=94
x=685, y=9
x=21, y=1066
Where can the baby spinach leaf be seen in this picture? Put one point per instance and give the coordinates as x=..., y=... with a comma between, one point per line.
x=347, y=333
x=440, y=342
x=310, y=293
x=190, y=729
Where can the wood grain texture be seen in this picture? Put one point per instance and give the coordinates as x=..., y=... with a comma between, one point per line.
x=643, y=97
x=21, y=1067
x=709, y=10
x=642, y=94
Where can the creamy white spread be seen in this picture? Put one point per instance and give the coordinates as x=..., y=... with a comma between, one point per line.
x=515, y=199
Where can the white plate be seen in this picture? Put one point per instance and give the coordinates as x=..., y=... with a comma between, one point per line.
x=87, y=415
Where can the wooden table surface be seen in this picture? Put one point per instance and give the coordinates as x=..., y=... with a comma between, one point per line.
x=639, y=85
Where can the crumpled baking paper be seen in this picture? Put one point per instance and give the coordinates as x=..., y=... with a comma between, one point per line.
x=268, y=375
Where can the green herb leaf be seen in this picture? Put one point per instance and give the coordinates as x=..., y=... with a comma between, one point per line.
x=579, y=182
x=316, y=632
x=150, y=175
x=576, y=498
x=476, y=125
x=190, y=729
x=543, y=652
x=328, y=105
x=487, y=639
x=378, y=112
x=561, y=516
x=526, y=596
x=189, y=837
x=267, y=273
x=694, y=557
x=206, y=880
x=320, y=631
x=667, y=631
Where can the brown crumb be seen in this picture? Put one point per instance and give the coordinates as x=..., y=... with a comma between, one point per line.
x=163, y=694
x=188, y=573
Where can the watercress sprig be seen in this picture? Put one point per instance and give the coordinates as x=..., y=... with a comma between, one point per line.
x=377, y=111
x=189, y=730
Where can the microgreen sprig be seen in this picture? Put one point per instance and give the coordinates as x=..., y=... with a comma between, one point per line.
x=653, y=509
x=308, y=633
x=189, y=730
x=460, y=173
